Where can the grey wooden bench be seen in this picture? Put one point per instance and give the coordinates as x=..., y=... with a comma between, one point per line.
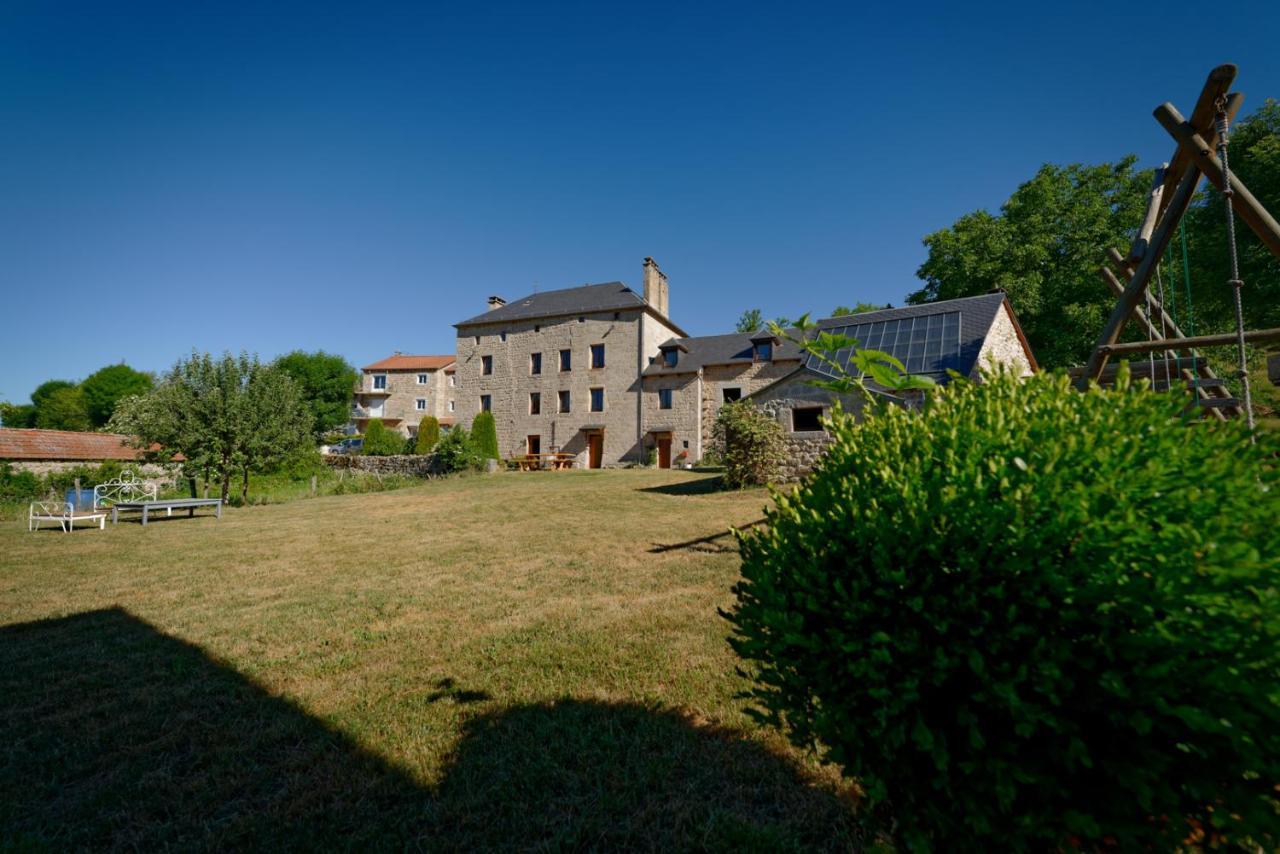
x=168, y=505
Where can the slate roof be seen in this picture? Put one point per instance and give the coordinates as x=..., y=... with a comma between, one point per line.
x=21, y=444
x=400, y=362
x=976, y=316
x=610, y=296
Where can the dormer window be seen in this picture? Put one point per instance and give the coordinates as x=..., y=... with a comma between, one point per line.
x=763, y=351
x=671, y=357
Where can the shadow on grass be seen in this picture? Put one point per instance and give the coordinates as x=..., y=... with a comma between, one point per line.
x=115, y=735
x=718, y=543
x=691, y=486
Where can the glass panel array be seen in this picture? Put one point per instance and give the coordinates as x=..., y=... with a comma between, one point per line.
x=925, y=345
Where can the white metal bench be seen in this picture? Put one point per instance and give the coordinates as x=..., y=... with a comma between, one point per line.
x=64, y=513
x=128, y=488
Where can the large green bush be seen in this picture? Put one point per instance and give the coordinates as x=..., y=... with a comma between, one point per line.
x=1029, y=618
x=455, y=452
x=484, y=437
x=428, y=435
x=748, y=443
x=381, y=441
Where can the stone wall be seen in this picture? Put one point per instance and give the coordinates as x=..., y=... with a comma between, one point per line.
x=1002, y=346
x=409, y=465
x=803, y=450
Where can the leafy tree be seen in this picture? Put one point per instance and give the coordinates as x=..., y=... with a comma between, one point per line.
x=1043, y=250
x=381, y=441
x=750, y=321
x=858, y=308
x=484, y=436
x=428, y=435
x=748, y=443
x=326, y=381
x=106, y=386
x=62, y=409
x=226, y=416
x=47, y=389
x=17, y=414
x=1022, y=640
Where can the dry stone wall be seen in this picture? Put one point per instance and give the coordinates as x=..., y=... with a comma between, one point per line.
x=409, y=465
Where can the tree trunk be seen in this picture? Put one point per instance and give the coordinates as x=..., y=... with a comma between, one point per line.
x=244, y=487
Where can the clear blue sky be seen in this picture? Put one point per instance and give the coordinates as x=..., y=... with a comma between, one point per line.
x=356, y=177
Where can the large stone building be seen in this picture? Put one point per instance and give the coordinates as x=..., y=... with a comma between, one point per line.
x=602, y=372
x=560, y=370
x=401, y=390
x=685, y=388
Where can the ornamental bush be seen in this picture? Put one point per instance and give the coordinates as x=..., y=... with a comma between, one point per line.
x=1030, y=618
x=381, y=441
x=484, y=437
x=454, y=451
x=428, y=435
x=749, y=444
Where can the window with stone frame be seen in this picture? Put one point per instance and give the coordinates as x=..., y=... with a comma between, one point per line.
x=664, y=398
x=486, y=402
x=420, y=404
x=563, y=401
x=671, y=357
x=597, y=400
x=535, y=403
x=806, y=419
x=535, y=364
x=486, y=365
x=597, y=356
x=566, y=360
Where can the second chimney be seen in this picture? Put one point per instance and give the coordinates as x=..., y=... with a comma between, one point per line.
x=656, y=291
x=496, y=302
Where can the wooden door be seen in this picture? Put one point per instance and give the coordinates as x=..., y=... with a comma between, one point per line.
x=664, y=452
x=535, y=444
x=595, y=450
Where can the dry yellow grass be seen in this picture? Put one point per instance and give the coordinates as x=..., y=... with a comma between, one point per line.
x=527, y=660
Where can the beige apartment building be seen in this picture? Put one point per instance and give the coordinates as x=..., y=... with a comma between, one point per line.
x=560, y=370
x=401, y=390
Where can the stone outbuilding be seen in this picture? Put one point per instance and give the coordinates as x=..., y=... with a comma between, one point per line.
x=45, y=451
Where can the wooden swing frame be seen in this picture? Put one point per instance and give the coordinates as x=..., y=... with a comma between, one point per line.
x=1129, y=276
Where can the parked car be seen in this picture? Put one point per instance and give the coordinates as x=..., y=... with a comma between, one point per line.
x=347, y=446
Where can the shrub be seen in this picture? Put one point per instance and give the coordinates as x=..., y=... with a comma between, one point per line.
x=455, y=452
x=18, y=485
x=90, y=476
x=1031, y=618
x=380, y=441
x=484, y=437
x=749, y=444
x=428, y=435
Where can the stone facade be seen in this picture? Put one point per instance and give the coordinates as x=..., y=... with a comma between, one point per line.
x=406, y=389
x=506, y=349
x=1003, y=346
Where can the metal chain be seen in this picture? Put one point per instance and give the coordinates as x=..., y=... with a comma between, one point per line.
x=1236, y=284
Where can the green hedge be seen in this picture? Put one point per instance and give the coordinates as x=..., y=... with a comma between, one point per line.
x=484, y=437
x=1029, y=618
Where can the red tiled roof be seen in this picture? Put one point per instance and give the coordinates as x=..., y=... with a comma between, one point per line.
x=411, y=363
x=18, y=444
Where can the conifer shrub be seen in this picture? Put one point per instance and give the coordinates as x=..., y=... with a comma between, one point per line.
x=428, y=435
x=484, y=437
x=748, y=443
x=1028, y=618
x=381, y=441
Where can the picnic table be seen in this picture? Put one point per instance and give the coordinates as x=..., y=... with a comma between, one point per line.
x=166, y=504
x=552, y=461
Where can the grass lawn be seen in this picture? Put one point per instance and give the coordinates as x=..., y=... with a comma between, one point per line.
x=522, y=660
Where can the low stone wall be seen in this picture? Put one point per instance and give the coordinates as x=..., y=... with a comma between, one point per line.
x=803, y=450
x=410, y=465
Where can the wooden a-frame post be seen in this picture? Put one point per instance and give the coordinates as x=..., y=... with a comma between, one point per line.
x=1168, y=203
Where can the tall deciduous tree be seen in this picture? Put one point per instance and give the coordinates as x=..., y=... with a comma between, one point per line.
x=1043, y=250
x=107, y=386
x=326, y=381
x=226, y=416
x=62, y=409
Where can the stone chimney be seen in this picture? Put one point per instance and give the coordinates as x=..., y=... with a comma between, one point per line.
x=496, y=302
x=655, y=287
